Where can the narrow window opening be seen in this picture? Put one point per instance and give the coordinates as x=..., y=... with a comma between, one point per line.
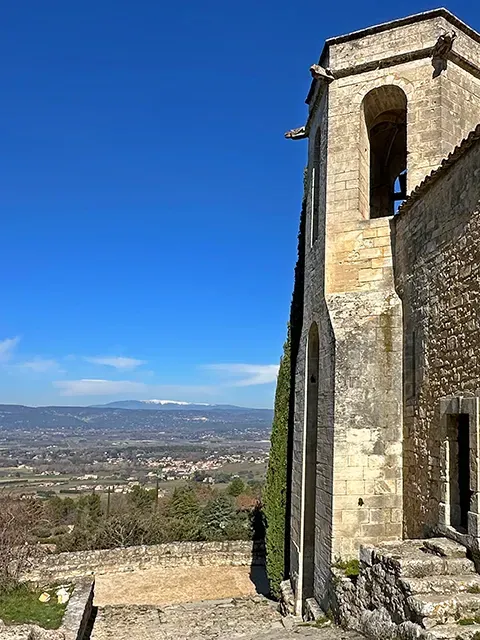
x=464, y=468
x=459, y=464
x=388, y=156
x=315, y=188
x=410, y=368
x=313, y=215
x=414, y=365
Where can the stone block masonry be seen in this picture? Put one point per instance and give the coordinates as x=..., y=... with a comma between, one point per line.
x=63, y=566
x=238, y=619
x=437, y=259
x=411, y=590
x=79, y=610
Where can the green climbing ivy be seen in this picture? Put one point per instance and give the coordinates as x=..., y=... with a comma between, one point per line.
x=276, y=493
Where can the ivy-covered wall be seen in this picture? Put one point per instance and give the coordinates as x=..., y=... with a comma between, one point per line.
x=278, y=483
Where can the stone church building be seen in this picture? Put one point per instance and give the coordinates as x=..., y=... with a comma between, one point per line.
x=386, y=428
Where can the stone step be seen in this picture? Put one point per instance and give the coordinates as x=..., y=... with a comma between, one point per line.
x=424, y=565
x=445, y=547
x=442, y=584
x=455, y=632
x=414, y=559
x=443, y=609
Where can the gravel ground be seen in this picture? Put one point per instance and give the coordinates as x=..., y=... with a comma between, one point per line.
x=175, y=585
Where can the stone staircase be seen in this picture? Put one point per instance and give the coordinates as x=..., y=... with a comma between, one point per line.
x=425, y=589
x=445, y=601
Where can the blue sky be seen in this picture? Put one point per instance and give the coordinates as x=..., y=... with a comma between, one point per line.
x=149, y=201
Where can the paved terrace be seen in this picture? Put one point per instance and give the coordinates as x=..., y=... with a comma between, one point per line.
x=194, y=603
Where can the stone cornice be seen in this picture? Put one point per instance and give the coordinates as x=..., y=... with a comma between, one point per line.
x=419, y=17
x=392, y=61
x=402, y=22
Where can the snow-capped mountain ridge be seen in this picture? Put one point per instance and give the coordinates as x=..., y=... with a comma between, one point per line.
x=179, y=402
x=169, y=405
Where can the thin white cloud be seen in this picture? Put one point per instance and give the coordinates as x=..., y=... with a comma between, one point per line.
x=41, y=365
x=246, y=375
x=130, y=389
x=86, y=387
x=7, y=348
x=118, y=362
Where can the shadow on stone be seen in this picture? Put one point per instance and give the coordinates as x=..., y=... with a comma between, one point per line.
x=258, y=572
x=89, y=628
x=258, y=576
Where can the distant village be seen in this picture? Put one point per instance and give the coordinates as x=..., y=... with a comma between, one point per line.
x=217, y=467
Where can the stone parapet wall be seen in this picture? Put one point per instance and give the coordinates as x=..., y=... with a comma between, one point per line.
x=62, y=566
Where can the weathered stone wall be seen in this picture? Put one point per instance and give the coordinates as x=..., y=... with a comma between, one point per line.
x=437, y=259
x=367, y=475
x=408, y=591
x=83, y=563
x=460, y=92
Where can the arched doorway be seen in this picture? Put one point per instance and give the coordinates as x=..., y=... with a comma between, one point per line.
x=310, y=461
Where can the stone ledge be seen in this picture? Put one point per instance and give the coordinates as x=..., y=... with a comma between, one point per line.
x=64, y=566
x=79, y=610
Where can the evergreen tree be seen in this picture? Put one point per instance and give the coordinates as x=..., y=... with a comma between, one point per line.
x=276, y=497
x=184, y=504
x=183, y=515
x=275, y=493
x=236, y=487
x=89, y=511
x=141, y=499
x=217, y=516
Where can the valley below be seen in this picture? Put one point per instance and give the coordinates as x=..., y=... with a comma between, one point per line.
x=76, y=450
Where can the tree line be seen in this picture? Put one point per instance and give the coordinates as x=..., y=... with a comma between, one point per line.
x=193, y=512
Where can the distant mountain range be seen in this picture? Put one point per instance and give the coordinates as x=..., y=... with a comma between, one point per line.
x=133, y=416
x=170, y=405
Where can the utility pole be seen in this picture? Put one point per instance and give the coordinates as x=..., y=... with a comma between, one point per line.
x=156, y=496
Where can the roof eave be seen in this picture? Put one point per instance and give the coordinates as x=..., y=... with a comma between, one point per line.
x=385, y=26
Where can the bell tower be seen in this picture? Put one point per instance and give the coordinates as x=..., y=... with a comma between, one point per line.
x=385, y=106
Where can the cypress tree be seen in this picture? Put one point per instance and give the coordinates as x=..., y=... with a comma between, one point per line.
x=275, y=494
x=184, y=504
x=276, y=497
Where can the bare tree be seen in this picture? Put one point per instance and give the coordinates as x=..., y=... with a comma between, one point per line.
x=17, y=518
x=121, y=530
